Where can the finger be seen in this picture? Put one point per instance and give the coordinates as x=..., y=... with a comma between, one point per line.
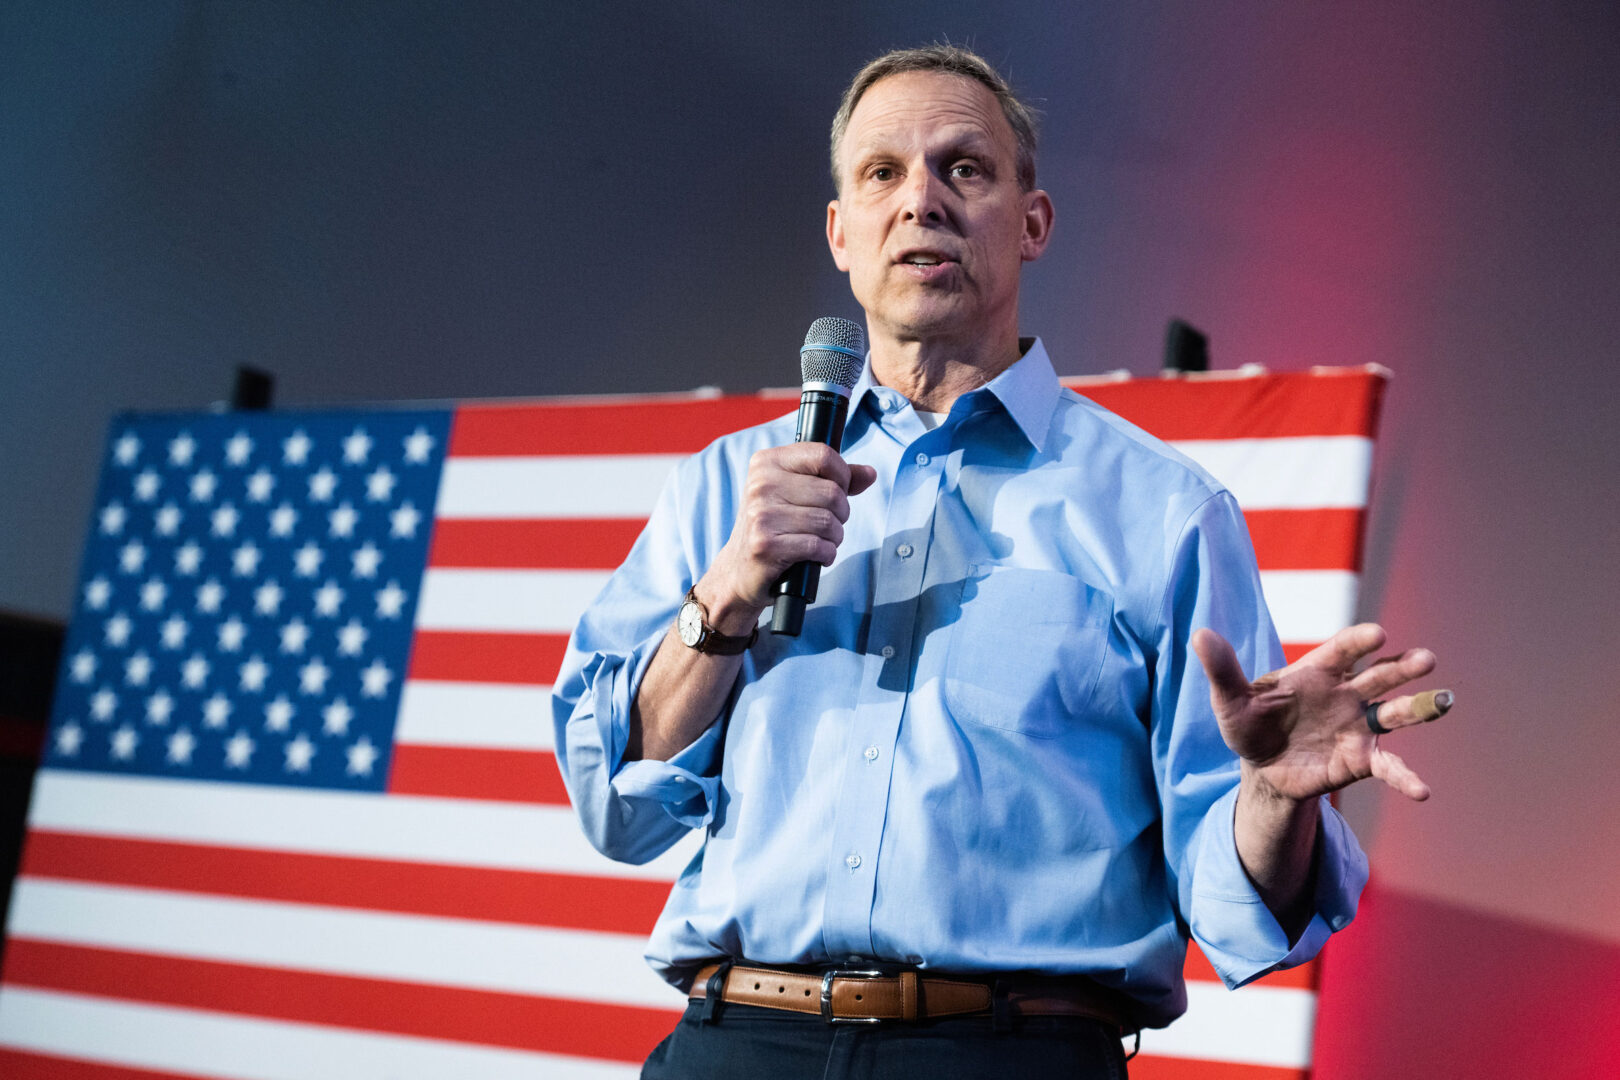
x=1343, y=650
x=1385, y=676
x=1397, y=774
x=861, y=477
x=816, y=459
x=1228, y=685
x=1414, y=709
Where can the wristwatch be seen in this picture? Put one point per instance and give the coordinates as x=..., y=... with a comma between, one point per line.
x=692, y=624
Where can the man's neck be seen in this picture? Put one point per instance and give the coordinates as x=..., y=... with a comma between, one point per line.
x=933, y=374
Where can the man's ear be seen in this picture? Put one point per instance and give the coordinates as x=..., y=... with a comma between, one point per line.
x=835, y=237
x=1038, y=214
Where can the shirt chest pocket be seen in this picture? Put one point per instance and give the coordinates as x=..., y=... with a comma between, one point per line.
x=1026, y=651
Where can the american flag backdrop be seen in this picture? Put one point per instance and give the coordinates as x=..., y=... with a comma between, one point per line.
x=299, y=816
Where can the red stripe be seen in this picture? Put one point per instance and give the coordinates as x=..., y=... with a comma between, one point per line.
x=459, y=772
x=1293, y=650
x=23, y=1065
x=1283, y=405
x=453, y=656
x=486, y=1017
x=1306, y=539
x=1151, y=1067
x=1198, y=969
x=559, y=544
x=528, y=897
x=676, y=426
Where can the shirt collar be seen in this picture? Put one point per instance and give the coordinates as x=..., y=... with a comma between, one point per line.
x=1028, y=391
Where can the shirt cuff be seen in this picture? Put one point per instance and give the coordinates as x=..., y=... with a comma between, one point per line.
x=678, y=785
x=1231, y=923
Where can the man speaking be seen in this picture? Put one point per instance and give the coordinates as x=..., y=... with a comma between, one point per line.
x=1015, y=756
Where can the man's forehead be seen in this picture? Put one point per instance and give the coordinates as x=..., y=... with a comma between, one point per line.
x=950, y=106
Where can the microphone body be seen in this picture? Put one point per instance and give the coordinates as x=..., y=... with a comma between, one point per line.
x=831, y=361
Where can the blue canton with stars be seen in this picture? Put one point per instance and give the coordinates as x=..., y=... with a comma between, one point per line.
x=248, y=596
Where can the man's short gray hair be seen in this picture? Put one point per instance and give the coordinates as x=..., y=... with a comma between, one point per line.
x=946, y=60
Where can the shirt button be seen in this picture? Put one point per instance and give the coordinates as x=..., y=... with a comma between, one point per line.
x=890, y=404
x=870, y=753
x=888, y=652
x=922, y=459
x=852, y=861
x=904, y=551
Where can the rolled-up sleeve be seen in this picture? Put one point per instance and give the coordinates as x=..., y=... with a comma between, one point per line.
x=1213, y=582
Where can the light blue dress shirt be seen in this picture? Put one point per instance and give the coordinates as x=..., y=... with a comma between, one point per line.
x=991, y=748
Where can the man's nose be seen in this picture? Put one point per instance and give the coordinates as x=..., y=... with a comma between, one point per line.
x=923, y=197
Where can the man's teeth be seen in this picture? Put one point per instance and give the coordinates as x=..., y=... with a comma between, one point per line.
x=924, y=260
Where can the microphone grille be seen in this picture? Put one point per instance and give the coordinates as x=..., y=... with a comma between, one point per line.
x=834, y=352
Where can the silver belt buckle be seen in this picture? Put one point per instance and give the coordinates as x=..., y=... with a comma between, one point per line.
x=827, y=978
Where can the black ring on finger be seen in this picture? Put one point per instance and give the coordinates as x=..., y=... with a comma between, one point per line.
x=1369, y=710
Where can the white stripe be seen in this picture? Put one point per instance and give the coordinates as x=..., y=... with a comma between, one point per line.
x=471, y=954
x=490, y=716
x=427, y=830
x=1309, y=473
x=170, y=1039
x=532, y=601
x=1257, y=1025
x=1310, y=605
x=587, y=486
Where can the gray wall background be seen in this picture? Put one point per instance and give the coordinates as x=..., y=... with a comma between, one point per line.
x=417, y=200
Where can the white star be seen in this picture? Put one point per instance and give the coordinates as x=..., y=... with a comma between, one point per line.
x=209, y=596
x=237, y=448
x=343, y=520
x=403, y=521
x=418, y=445
x=126, y=449
x=194, y=672
x=245, y=560
x=356, y=447
x=123, y=743
x=282, y=520
x=267, y=598
x=69, y=737
x=352, y=638
x=312, y=677
x=307, y=560
x=295, y=448
x=131, y=557
x=181, y=449
x=380, y=485
x=217, y=710
x=83, y=666
x=225, y=520
x=327, y=599
x=187, y=558
x=117, y=630
x=366, y=559
x=153, y=593
x=97, y=593
x=293, y=636
x=167, y=520
x=253, y=673
x=146, y=485
x=173, y=632
x=103, y=703
x=299, y=751
x=232, y=632
x=362, y=756
x=113, y=516
x=138, y=669
x=374, y=679
x=337, y=716
x=203, y=484
x=238, y=751
x=322, y=484
x=181, y=744
x=159, y=707
x=390, y=601
x=260, y=485
x=279, y=713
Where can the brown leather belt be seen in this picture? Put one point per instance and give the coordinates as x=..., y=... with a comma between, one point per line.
x=858, y=995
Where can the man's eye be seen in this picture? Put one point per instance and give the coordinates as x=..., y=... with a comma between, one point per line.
x=964, y=170
x=883, y=173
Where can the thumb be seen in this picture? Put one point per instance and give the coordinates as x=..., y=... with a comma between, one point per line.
x=861, y=477
x=1228, y=687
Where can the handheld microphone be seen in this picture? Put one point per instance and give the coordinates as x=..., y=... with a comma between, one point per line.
x=830, y=362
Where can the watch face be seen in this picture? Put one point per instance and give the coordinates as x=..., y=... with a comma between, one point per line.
x=689, y=624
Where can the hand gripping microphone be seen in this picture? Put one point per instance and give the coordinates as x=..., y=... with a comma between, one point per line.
x=832, y=358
